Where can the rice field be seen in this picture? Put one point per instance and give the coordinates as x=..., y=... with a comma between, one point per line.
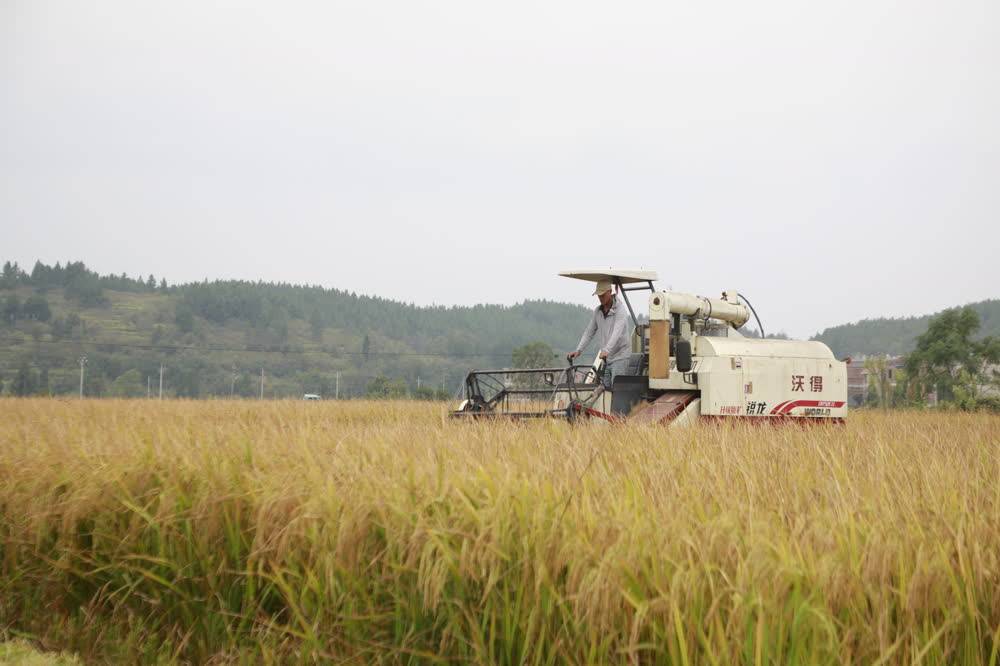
x=381, y=532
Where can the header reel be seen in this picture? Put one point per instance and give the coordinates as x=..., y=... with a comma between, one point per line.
x=532, y=393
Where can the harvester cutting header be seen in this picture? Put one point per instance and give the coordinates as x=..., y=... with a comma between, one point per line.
x=688, y=360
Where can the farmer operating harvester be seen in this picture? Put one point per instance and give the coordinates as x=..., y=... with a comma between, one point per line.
x=611, y=325
x=688, y=361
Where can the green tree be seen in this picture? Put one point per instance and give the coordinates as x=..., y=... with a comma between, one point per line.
x=316, y=324
x=946, y=350
x=384, y=388
x=74, y=323
x=878, y=380
x=11, y=275
x=278, y=325
x=896, y=336
x=184, y=318
x=427, y=393
x=872, y=398
x=533, y=355
x=129, y=384
x=11, y=308
x=37, y=308
x=25, y=382
x=85, y=288
x=63, y=326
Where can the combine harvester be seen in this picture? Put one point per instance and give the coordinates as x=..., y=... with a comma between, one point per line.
x=688, y=362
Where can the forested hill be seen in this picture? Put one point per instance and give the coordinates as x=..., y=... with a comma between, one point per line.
x=897, y=336
x=215, y=337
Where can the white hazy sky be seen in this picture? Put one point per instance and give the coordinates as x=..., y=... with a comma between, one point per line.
x=832, y=161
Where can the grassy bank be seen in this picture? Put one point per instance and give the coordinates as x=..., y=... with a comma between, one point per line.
x=22, y=653
x=237, y=531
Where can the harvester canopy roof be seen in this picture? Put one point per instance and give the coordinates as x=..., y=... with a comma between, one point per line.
x=611, y=275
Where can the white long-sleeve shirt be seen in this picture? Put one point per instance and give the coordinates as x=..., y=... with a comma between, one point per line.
x=611, y=330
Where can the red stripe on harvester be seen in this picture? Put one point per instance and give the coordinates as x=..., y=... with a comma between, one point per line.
x=811, y=403
x=601, y=415
x=590, y=411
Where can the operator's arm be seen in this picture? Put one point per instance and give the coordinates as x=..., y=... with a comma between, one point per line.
x=588, y=333
x=617, y=331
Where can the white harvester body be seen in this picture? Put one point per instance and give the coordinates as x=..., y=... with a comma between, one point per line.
x=688, y=361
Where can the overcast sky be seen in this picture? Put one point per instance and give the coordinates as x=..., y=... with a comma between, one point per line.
x=832, y=161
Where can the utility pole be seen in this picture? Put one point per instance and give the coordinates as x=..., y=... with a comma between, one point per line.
x=161, y=381
x=418, y=383
x=232, y=387
x=148, y=384
x=262, y=383
x=337, y=394
x=83, y=363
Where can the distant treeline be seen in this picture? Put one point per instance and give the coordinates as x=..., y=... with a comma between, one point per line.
x=81, y=284
x=268, y=305
x=302, y=336
x=897, y=337
x=214, y=338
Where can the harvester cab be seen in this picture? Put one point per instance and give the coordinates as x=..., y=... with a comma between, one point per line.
x=688, y=361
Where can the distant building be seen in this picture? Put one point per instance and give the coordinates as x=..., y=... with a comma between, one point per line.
x=992, y=387
x=858, y=380
x=858, y=377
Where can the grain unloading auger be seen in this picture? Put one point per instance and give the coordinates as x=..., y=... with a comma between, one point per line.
x=688, y=361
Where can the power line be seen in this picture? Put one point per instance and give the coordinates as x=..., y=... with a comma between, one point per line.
x=345, y=379
x=256, y=350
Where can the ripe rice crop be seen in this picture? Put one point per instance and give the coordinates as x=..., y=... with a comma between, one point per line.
x=140, y=531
